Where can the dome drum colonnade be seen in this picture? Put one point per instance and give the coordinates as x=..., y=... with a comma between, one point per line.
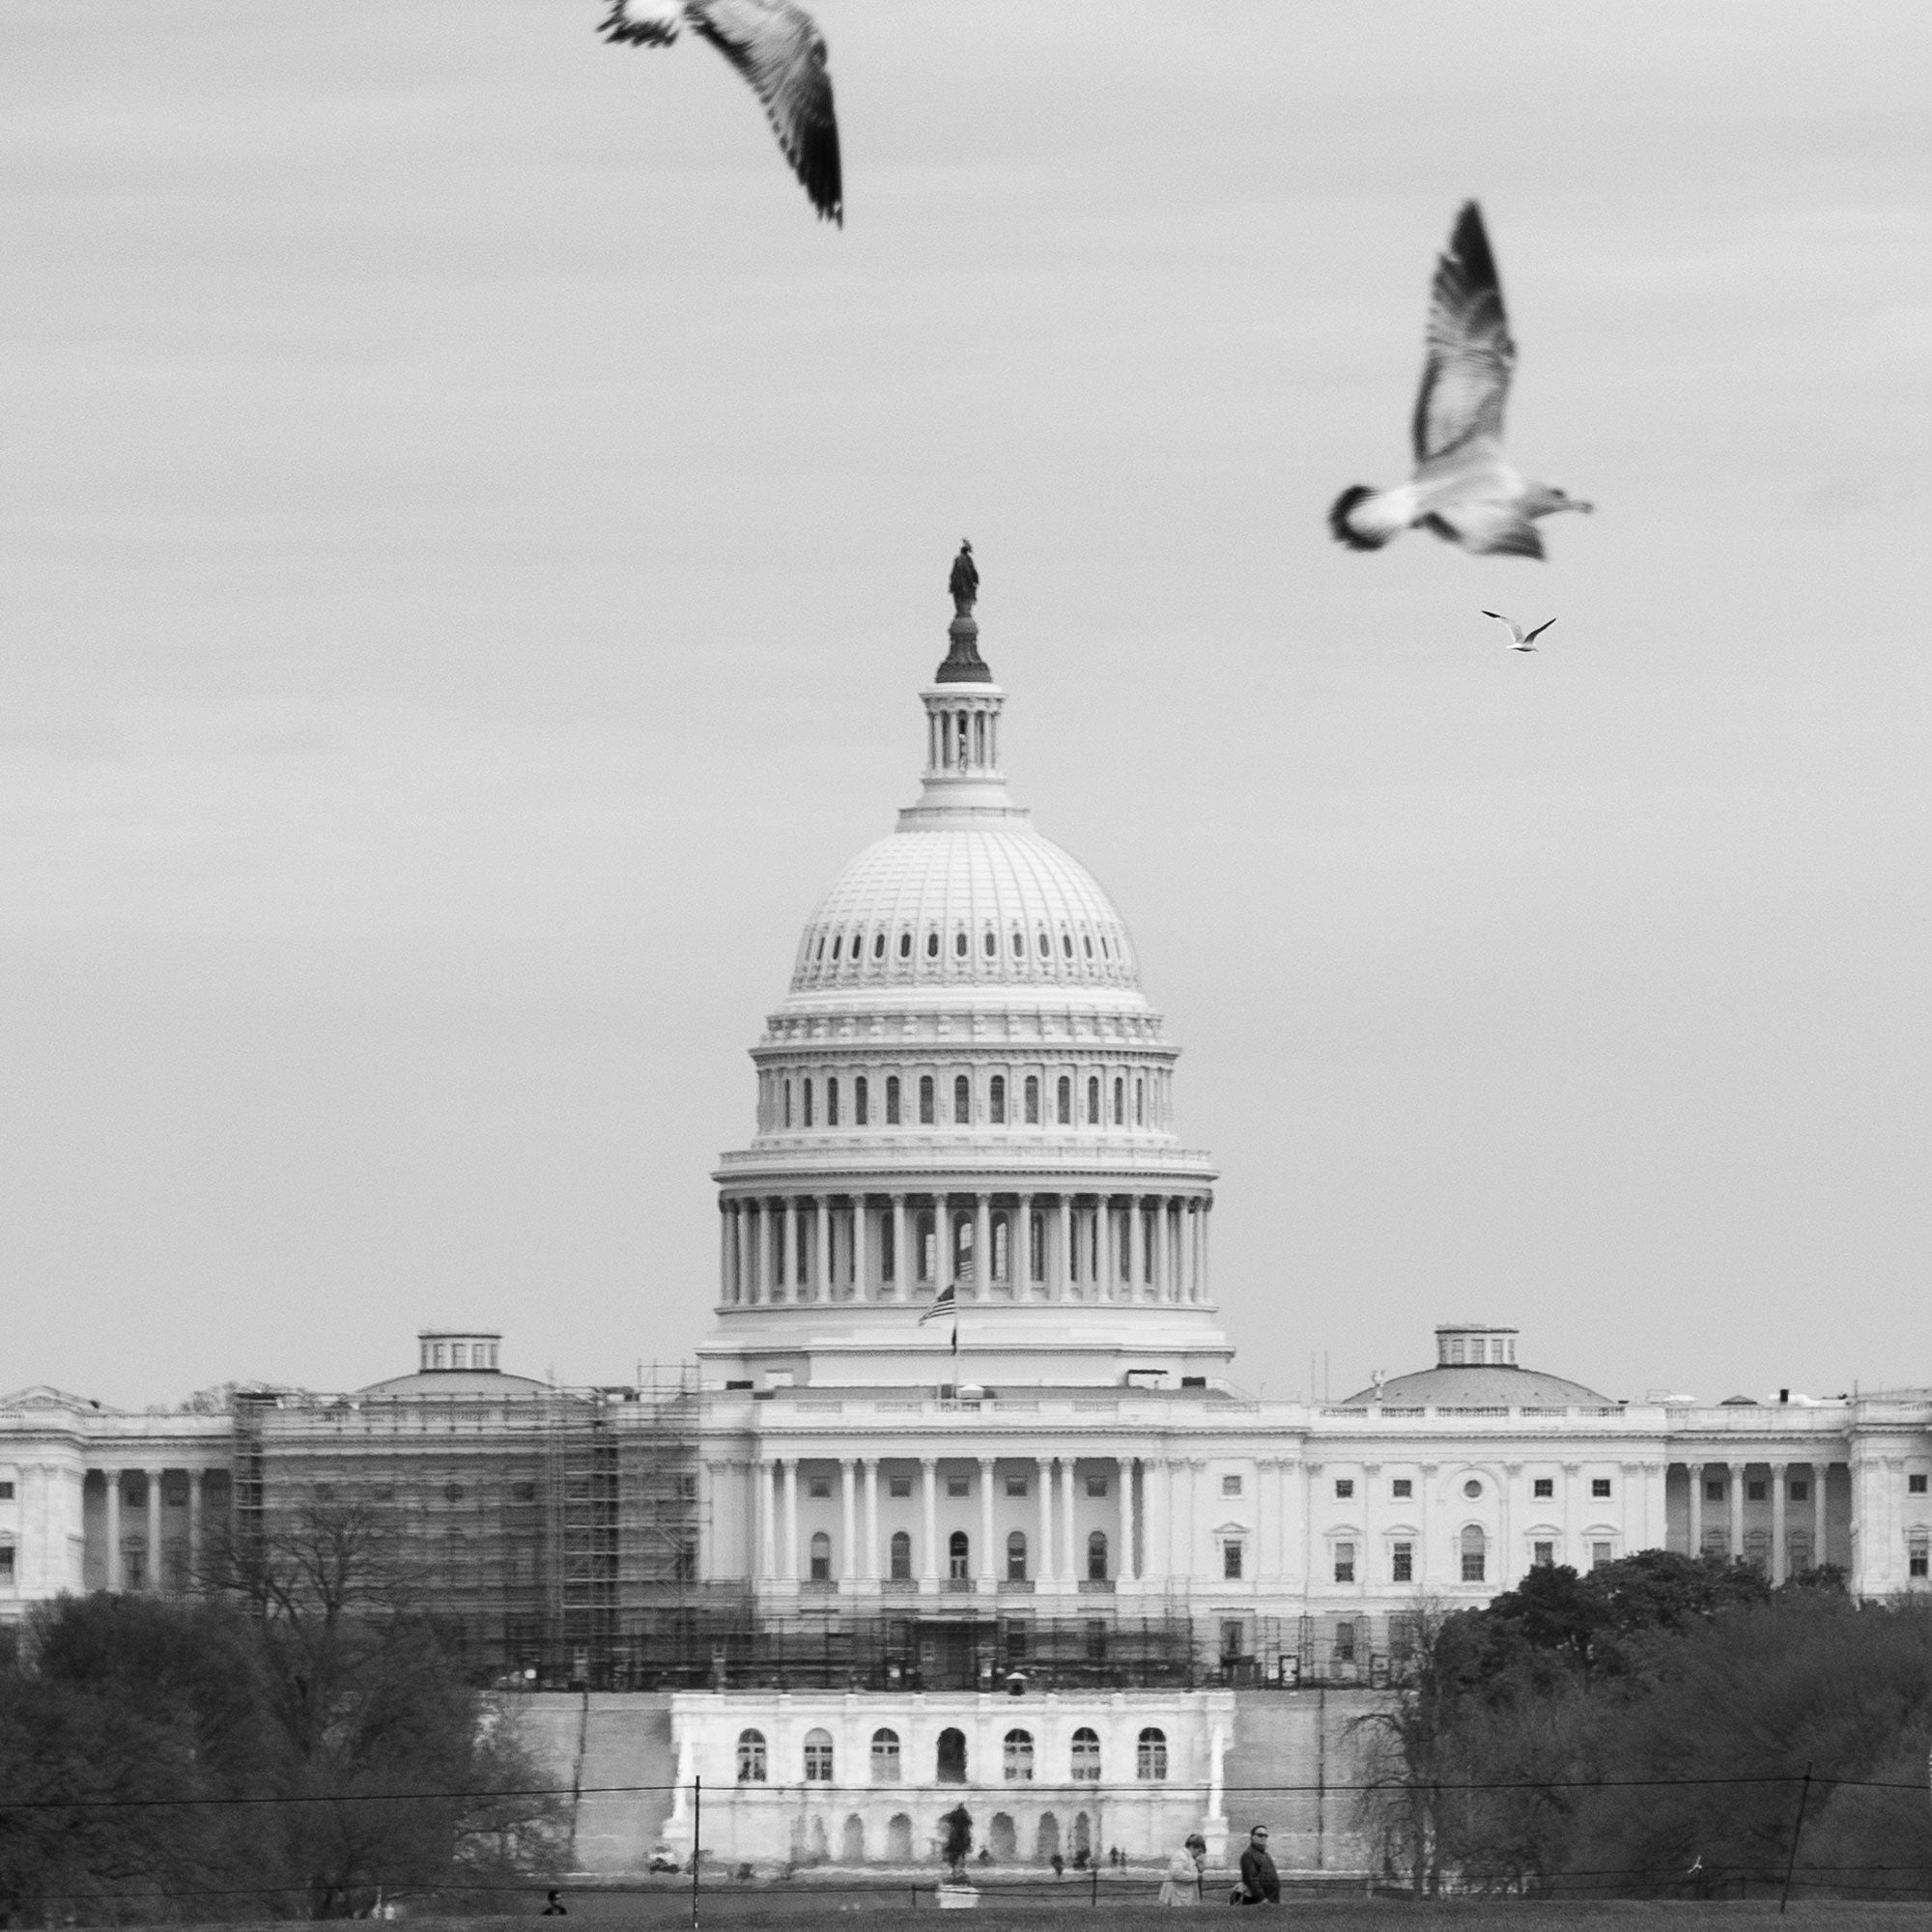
x=965, y=1092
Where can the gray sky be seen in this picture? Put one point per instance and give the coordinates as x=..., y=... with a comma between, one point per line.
x=471, y=539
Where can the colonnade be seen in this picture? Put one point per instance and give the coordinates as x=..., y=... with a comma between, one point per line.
x=122, y=1522
x=1720, y=1492
x=902, y=1247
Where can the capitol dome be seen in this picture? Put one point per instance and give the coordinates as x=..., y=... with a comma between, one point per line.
x=964, y=1101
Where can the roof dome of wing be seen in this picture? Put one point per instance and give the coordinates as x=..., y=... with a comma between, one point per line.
x=1478, y=1385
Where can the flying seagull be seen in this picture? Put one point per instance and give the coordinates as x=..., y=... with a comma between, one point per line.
x=1522, y=639
x=780, y=52
x=1464, y=488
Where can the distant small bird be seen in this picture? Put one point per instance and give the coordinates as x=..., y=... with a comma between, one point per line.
x=780, y=52
x=1464, y=488
x=1522, y=639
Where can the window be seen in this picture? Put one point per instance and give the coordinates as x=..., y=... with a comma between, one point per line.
x=1120, y=1103
x=818, y=1485
x=7, y=1564
x=960, y=1486
x=1345, y=1487
x=1094, y=1101
x=878, y=946
x=1140, y=1103
x=959, y=945
x=1753, y=1491
x=860, y=1098
x=1016, y=1757
x=1599, y=1486
x=788, y=1122
x=1032, y=1100
x=1019, y=946
x=832, y=1103
x=1542, y=1555
x=808, y=1103
x=1233, y=1639
x=1016, y=1486
x=1097, y=1485
x=1472, y=1489
x=932, y=946
x=751, y=1757
x=901, y=1556
x=996, y=1100
x=958, y=1554
x=898, y=1486
x=818, y=1757
x=950, y=1758
x=1231, y=1486
x=1402, y=1489
x=885, y=1758
x=1151, y=1754
x=905, y=946
x=1086, y=1755
x=1063, y=1102
x=1016, y=1567
x=821, y=1557
x=962, y=1102
x=891, y=1099
x=1600, y=1555
x=926, y=1099
x=990, y=946
x=1096, y=1557
x=1544, y=1486
x=7, y=1492
x=1917, y=1553
x=1231, y=1560
x=1713, y=1493
x=1915, y=1485
x=1402, y=1563
x=1474, y=1550
x=1344, y=1642
x=1345, y=1563
x=1801, y=1492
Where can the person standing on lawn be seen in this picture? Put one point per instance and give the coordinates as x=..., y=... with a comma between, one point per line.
x=1259, y=1885
x=1182, y=1883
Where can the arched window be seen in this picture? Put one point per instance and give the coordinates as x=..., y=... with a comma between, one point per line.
x=832, y=1102
x=932, y=946
x=962, y=1102
x=808, y=1103
x=885, y=1758
x=1120, y=1103
x=1151, y=1754
x=751, y=1757
x=950, y=1758
x=1066, y=945
x=1016, y=1569
x=901, y=1556
x=787, y=1103
x=1032, y=1099
x=1096, y=1557
x=958, y=1555
x=891, y=1099
x=960, y=945
x=1474, y=1548
x=1092, y=1101
x=818, y=1757
x=1086, y=1755
x=878, y=946
x=991, y=945
x=1016, y=1757
x=1019, y=946
x=838, y=941
x=1087, y=939
x=926, y=1099
x=862, y=1096
x=820, y=953
x=1064, y=1103
x=996, y=1100
x=821, y=1557
x=905, y=946
x=1045, y=946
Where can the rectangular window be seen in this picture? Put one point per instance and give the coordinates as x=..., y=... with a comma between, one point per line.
x=1600, y=1555
x=1345, y=1487
x=1915, y=1485
x=1233, y=1638
x=962, y=1102
x=1713, y=1493
x=1231, y=1486
x=788, y=1122
x=898, y=1486
x=1801, y=1492
x=808, y=1103
x=7, y=1492
x=926, y=1099
x=1402, y=1489
x=1097, y=1485
x=1016, y=1486
x=1344, y=1643
x=1230, y=1561
x=1345, y=1563
x=6, y=1563
x=1031, y=1092
x=1753, y=1492
x=1544, y=1486
x=1543, y=1554
x=1402, y=1563
x=1062, y=1102
x=818, y=1485
x=996, y=1100
x=1917, y=1557
x=891, y=1100
x=832, y=1103
x=1599, y=1486
x=958, y=1486
x=861, y=1101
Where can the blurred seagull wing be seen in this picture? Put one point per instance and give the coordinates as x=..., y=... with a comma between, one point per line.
x=779, y=49
x=1466, y=370
x=650, y=23
x=1515, y=629
x=1539, y=631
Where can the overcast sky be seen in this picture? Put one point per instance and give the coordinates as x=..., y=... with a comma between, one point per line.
x=471, y=540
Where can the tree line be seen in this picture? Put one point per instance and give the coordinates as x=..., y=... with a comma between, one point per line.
x=299, y=1741
x=1647, y=1728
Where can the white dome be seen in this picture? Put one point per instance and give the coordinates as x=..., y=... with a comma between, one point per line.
x=965, y=903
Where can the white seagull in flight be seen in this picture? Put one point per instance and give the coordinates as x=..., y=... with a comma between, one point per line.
x=780, y=52
x=1520, y=640
x=1464, y=488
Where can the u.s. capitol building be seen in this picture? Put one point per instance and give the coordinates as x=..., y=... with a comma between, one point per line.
x=962, y=1492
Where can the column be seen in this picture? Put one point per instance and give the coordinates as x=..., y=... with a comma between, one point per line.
x=861, y=1241
x=1819, y=1471
x=947, y=1273
x=982, y=1247
x=112, y=1568
x=153, y=1532
x=1192, y=1292
x=1207, y=1228
x=1737, y=1509
x=763, y=1472
x=1694, y=1529
x=902, y=1251
x=822, y=1219
x=1163, y=1247
x=847, y=1569
x=1067, y=1552
x=1779, y=1568
x=1154, y=1506
x=790, y=1273
x=870, y=1568
x=772, y=1227
x=1137, y=1255
x=761, y=1251
x=791, y=1570
x=986, y=1570
x=1043, y=1568
x=1107, y=1274
x=725, y=1216
x=195, y=1479
x=929, y=1494
x=1126, y=1565
x=1062, y=1250
x=1019, y=1248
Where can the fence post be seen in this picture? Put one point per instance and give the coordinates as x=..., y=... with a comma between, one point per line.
x=1784, y=1897
x=1094, y=1896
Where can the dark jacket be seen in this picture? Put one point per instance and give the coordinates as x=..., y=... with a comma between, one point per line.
x=1257, y=1875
